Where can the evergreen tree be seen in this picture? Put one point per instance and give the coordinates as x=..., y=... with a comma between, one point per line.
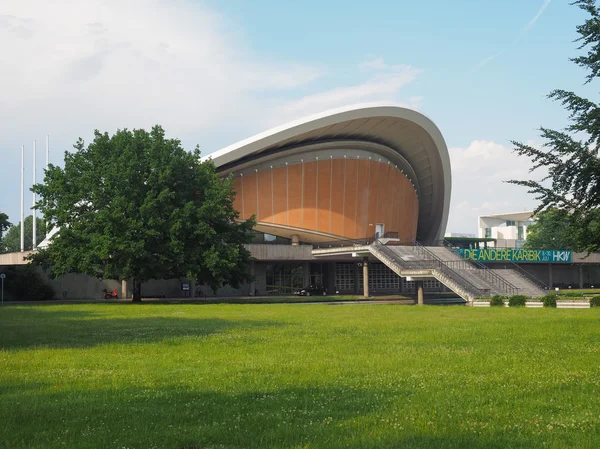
x=571, y=155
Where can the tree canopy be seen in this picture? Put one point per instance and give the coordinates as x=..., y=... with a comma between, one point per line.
x=12, y=240
x=553, y=230
x=4, y=223
x=571, y=155
x=136, y=205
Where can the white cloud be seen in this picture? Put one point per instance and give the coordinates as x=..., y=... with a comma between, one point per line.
x=384, y=84
x=532, y=22
x=375, y=64
x=69, y=67
x=486, y=61
x=478, y=188
x=524, y=31
x=128, y=63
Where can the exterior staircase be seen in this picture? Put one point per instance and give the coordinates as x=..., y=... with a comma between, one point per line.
x=418, y=261
x=468, y=279
x=525, y=283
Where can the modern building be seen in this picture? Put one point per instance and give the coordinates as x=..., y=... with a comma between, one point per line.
x=509, y=230
x=321, y=188
x=347, y=174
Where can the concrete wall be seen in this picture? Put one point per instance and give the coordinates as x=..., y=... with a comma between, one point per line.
x=14, y=258
x=82, y=286
x=566, y=274
x=343, y=197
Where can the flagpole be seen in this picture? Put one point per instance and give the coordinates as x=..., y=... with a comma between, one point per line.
x=34, y=236
x=22, y=198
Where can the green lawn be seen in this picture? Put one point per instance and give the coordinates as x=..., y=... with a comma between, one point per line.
x=298, y=376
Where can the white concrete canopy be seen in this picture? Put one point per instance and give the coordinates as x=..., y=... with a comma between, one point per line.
x=413, y=136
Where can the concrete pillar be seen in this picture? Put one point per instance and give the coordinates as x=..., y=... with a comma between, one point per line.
x=550, y=276
x=306, y=274
x=365, y=277
x=295, y=240
x=330, y=281
x=580, y=276
x=124, y=289
x=252, y=282
x=420, y=293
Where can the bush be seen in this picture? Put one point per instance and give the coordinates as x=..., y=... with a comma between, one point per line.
x=26, y=284
x=550, y=300
x=572, y=294
x=517, y=300
x=497, y=300
x=595, y=301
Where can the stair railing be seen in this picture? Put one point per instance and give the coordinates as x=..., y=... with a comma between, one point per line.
x=434, y=263
x=494, y=278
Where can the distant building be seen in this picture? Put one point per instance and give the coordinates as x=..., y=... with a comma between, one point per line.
x=509, y=230
x=460, y=235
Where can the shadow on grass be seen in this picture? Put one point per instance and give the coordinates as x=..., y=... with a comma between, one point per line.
x=24, y=327
x=319, y=418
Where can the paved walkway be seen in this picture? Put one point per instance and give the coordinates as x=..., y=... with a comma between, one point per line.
x=215, y=300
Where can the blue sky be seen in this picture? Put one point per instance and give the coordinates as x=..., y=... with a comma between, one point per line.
x=218, y=71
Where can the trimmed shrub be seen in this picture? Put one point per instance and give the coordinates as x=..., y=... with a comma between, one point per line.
x=517, y=300
x=497, y=300
x=550, y=300
x=572, y=294
x=595, y=301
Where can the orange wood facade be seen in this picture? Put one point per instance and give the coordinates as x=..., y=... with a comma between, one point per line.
x=343, y=197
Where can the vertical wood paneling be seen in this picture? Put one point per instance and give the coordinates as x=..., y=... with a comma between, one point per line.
x=340, y=197
x=362, y=200
x=310, y=195
x=279, y=198
x=237, y=202
x=350, y=189
x=373, y=191
x=249, y=194
x=265, y=203
x=337, y=201
x=384, y=196
x=295, y=195
x=324, y=195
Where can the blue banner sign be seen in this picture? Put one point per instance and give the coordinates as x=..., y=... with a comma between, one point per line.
x=516, y=255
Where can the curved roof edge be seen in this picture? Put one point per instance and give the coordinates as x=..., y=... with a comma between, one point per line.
x=310, y=123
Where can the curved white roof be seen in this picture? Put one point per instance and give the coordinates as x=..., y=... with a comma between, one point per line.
x=411, y=134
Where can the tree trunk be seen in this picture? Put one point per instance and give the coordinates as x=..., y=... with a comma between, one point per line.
x=137, y=291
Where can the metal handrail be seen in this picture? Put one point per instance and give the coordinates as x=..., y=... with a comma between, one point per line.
x=489, y=274
x=526, y=274
x=449, y=271
x=356, y=242
x=436, y=264
x=521, y=271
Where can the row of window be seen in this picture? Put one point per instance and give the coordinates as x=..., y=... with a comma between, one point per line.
x=380, y=278
x=285, y=278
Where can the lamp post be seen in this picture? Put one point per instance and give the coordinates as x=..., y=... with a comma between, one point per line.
x=2, y=276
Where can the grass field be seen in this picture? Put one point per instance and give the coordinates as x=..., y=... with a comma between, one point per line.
x=298, y=376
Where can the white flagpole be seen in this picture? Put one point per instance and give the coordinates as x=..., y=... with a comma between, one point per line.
x=47, y=162
x=34, y=236
x=22, y=198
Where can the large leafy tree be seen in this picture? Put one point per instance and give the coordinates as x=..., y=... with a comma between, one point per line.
x=136, y=205
x=4, y=223
x=553, y=230
x=571, y=156
x=12, y=240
